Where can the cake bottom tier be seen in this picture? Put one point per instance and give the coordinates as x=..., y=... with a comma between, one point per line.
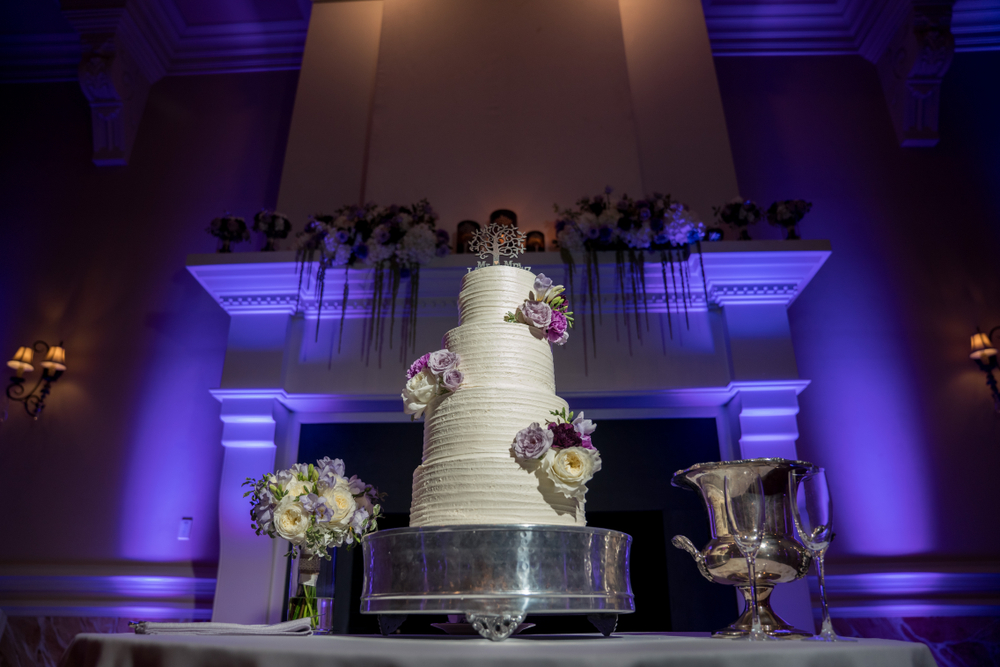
x=469, y=474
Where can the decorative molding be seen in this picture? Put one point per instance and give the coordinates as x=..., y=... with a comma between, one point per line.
x=842, y=27
x=909, y=594
x=911, y=70
x=146, y=597
x=116, y=70
x=748, y=272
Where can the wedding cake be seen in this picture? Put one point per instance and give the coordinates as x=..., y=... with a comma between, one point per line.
x=499, y=446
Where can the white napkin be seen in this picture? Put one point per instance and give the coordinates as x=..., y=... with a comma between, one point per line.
x=297, y=628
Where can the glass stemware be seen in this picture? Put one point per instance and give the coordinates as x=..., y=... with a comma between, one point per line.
x=812, y=511
x=744, y=497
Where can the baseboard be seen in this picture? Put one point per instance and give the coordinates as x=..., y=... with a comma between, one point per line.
x=130, y=596
x=910, y=594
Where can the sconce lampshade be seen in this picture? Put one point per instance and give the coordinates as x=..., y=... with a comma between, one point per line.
x=22, y=360
x=55, y=360
x=982, y=347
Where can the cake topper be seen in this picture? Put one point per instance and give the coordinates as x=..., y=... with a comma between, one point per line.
x=498, y=239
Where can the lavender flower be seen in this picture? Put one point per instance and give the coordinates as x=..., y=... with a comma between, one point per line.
x=417, y=366
x=316, y=505
x=356, y=486
x=583, y=426
x=334, y=465
x=535, y=313
x=358, y=519
x=441, y=361
x=542, y=286
x=532, y=442
x=557, y=327
x=452, y=379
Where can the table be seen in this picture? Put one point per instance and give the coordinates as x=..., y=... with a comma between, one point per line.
x=625, y=650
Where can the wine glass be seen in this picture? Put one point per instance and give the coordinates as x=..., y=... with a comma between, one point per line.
x=743, y=492
x=812, y=512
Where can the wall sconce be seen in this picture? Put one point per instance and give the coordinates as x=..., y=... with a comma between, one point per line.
x=52, y=369
x=984, y=353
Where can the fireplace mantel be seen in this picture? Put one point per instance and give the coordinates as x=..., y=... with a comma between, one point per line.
x=725, y=352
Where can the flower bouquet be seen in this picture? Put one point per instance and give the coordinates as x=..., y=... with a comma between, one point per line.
x=394, y=241
x=630, y=228
x=434, y=374
x=273, y=225
x=314, y=507
x=740, y=213
x=228, y=229
x=788, y=214
x=562, y=451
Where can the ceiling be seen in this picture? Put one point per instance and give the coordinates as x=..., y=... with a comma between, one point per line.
x=38, y=43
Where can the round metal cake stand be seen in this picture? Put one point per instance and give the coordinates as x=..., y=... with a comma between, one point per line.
x=496, y=575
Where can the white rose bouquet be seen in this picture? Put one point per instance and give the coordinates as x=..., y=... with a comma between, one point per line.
x=314, y=507
x=434, y=374
x=563, y=450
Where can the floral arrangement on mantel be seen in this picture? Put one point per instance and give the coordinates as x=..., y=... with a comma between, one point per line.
x=545, y=311
x=434, y=374
x=631, y=228
x=273, y=226
x=228, y=229
x=393, y=241
x=741, y=213
x=314, y=507
x=562, y=450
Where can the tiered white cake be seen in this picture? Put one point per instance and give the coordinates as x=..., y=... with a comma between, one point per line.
x=469, y=474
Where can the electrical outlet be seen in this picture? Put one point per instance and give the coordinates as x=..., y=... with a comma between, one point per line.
x=184, y=529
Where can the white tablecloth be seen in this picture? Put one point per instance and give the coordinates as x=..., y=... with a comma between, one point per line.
x=631, y=650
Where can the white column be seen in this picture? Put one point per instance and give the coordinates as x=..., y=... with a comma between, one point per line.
x=244, y=587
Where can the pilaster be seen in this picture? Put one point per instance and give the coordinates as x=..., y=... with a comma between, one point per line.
x=116, y=70
x=912, y=68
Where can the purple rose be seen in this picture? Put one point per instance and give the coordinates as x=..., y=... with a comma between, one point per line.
x=536, y=313
x=532, y=442
x=564, y=435
x=342, y=236
x=417, y=366
x=557, y=327
x=452, y=379
x=441, y=361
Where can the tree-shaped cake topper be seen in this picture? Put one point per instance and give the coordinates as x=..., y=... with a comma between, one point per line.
x=498, y=239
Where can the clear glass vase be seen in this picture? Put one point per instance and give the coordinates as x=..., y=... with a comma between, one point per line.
x=307, y=601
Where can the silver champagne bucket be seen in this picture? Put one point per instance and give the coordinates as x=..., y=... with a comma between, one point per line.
x=781, y=557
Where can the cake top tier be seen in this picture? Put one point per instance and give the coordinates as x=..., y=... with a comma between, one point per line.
x=491, y=292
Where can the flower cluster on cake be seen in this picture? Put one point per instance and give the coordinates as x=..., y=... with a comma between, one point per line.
x=487, y=458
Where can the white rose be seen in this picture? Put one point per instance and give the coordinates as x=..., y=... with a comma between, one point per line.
x=296, y=488
x=570, y=469
x=291, y=521
x=418, y=392
x=341, y=501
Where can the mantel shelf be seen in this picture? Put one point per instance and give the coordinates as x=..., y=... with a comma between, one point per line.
x=760, y=272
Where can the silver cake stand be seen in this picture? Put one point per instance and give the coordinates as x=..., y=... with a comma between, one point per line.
x=496, y=575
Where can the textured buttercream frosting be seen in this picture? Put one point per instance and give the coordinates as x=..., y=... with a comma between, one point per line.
x=469, y=474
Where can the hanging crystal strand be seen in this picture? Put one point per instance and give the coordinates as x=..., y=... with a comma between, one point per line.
x=674, y=275
x=704, y=278
x=642, y=284
x=583, y=316
x=394, y=276
x=320, y=288
x=666, y=293
x=414, y=295
x=633, y=279
x=685, y=289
